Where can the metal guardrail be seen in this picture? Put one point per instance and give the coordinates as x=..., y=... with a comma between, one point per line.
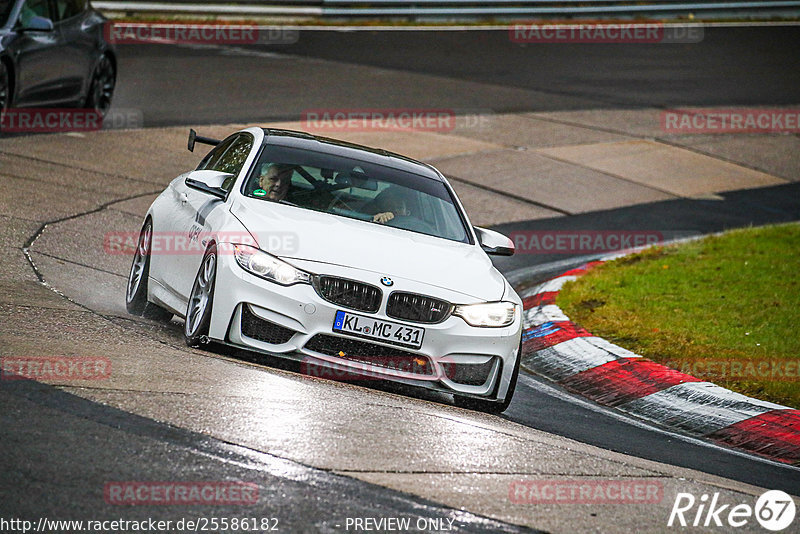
x=199, y=7
x=535, y=7
x=462, y=8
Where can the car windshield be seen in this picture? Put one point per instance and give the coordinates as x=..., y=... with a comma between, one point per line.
x=357, y=190
x=5, y=10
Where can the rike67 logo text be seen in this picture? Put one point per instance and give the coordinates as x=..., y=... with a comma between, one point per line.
x=774, y=510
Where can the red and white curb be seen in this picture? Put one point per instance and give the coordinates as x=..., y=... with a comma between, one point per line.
x=558, y=349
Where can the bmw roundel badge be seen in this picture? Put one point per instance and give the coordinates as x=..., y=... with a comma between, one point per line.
x=387, y=281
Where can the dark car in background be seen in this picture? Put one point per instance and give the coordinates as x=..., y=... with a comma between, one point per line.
x=54, y=53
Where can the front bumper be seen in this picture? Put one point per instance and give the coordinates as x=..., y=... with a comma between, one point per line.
x=295, y=322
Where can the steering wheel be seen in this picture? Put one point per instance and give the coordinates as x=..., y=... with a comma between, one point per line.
x=409, y=222
x=338, y=202
x=300, y=193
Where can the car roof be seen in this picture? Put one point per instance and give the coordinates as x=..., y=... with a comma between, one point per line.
x=306, y=141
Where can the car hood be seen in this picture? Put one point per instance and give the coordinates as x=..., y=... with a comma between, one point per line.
x=295, y=233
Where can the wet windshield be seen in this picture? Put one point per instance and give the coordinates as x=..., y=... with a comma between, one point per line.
x=357, y=190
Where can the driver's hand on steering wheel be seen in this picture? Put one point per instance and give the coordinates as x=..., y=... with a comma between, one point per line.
x=384, y=217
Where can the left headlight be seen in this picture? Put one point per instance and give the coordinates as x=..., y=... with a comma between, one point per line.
x=490, y=314
x=269, y=267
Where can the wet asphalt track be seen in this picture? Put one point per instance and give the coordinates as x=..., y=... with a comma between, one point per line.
x=74, y=447
x=464, y=71
x=731, y=66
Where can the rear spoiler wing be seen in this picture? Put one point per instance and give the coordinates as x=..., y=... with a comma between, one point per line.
x=194, y=138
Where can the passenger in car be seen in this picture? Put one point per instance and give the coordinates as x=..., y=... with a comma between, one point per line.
x=389, y=203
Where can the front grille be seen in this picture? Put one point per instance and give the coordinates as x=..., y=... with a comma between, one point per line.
x=349, y=293
x=257, y=328
x=468, y=374
x=370, y=353
x=417, y=308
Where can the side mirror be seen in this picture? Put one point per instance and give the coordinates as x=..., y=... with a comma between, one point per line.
x=208, y=182
x=38, y=24
x=494, y=243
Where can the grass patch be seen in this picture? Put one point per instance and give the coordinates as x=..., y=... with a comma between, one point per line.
x=725, y=308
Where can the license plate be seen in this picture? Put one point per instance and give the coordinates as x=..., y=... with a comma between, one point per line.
x=372, y=328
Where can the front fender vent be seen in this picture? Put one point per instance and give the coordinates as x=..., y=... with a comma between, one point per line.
x=257, y=328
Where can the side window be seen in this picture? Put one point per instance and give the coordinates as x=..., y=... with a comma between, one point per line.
x=233, y=159
x=69, y=8
x=214, y=154
x=34, y=8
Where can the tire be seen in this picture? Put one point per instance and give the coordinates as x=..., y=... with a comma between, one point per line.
x=101, y=88
x=5, y=87
x=5, y=90
x=488, y=406
x=201, y=300
x=136, y=291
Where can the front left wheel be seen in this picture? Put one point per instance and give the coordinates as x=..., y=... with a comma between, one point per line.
x=201, y=300
x=136, y=294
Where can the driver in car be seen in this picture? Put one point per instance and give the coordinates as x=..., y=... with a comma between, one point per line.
x=275, y=179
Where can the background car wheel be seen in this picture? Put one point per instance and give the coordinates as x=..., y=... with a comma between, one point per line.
x=488, y=406
x=201, y=300
x=101, y=88
x=5, y=87
x=136, y=295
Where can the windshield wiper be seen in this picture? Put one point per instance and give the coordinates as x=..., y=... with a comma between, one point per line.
x=287, y=203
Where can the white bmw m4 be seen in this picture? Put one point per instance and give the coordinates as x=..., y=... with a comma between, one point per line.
x=343, y=257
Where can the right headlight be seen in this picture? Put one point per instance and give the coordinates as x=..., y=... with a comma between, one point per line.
x=269, y=267
x=488, y=314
